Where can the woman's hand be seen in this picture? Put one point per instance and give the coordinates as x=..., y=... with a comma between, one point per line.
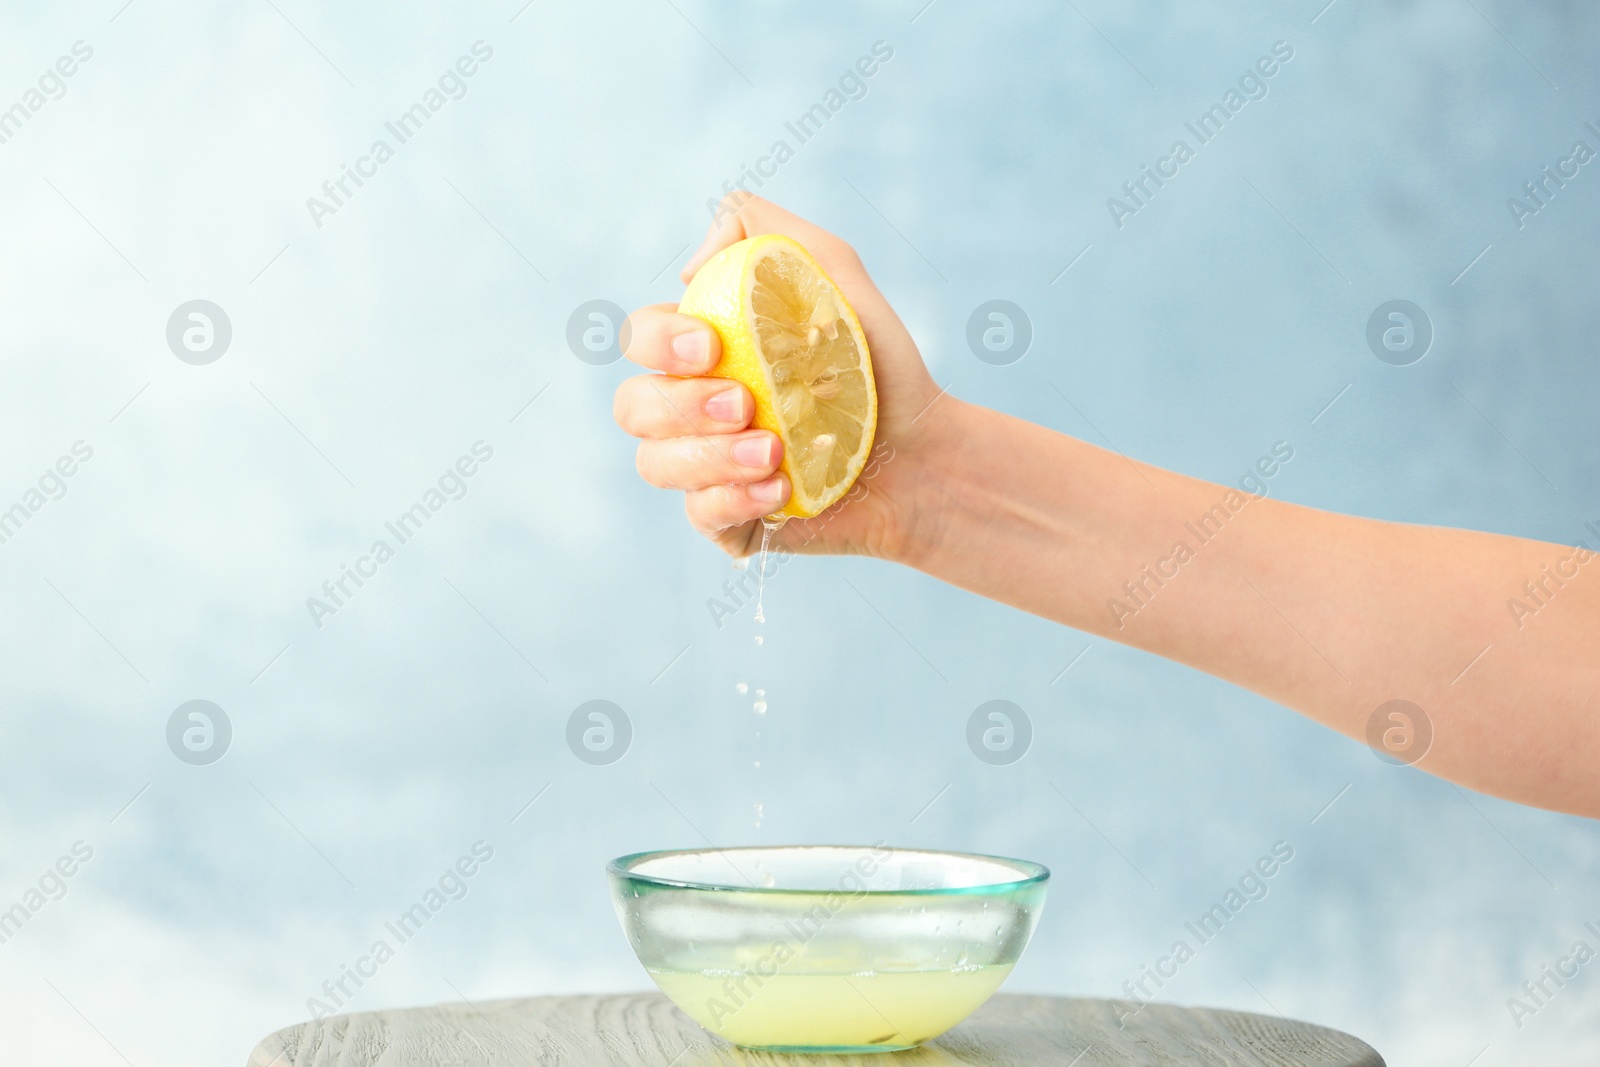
x=695, y=431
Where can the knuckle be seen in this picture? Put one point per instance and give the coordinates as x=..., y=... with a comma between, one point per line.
x=622, y=406
x=632, y=333
x=705, y=453
x=703, y=514
x=657, y=414
x=641, y=334
x=716, y=500
x=838, y=248
x=744, y=203
x=703, y=508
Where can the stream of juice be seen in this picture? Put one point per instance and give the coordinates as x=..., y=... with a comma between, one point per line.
x=887, y=1010
x=759, y=705
x=768, y=528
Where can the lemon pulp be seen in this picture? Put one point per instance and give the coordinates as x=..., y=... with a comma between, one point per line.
x=883, y=1010
x=818, y=386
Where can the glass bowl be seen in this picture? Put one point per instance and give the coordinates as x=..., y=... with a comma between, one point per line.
x=827, y=948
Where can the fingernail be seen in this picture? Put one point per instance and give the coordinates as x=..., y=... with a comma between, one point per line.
x=692, y=348
x=753, y=451
x=767, y=492
x=725, y=406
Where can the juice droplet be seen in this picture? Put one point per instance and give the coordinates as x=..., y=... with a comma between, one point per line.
x=758, y=765
x=769, y=880
x=760, y=707
x=760, y=640
x=741, y=688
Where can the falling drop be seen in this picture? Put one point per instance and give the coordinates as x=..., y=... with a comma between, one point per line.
x=741, y=688
x=760, y=640
x=758, y=765
x=759, y=707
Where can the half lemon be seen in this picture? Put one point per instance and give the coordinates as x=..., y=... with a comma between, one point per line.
x=791, y=338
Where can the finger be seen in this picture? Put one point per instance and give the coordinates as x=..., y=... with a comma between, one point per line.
x=698, y=462
x=742, y=215
x=661, y=339
x=721, y=507
x=658, y=405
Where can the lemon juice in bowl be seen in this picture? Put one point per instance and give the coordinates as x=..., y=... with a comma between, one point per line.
x=882, y=1011
x=821, y=948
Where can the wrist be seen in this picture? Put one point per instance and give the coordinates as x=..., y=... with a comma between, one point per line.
x=930, y=455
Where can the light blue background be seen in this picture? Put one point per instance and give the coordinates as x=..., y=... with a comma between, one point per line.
x=416, y=322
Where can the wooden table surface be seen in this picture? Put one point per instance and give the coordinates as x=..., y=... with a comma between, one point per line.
x=645, y=1030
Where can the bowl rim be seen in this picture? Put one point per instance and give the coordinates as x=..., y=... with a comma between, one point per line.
x=1031, y=873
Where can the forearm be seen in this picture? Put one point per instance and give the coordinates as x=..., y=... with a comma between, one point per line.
x=1328, y=614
